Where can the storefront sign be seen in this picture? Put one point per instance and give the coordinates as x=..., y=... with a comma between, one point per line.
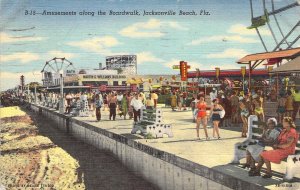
x=70, y=72
x=103, y=76
x=183, y=70
x=73, y=78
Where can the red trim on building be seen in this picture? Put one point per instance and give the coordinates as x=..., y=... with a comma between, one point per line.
x=227, y=73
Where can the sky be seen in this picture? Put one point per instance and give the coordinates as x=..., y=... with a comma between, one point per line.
x=204, y=41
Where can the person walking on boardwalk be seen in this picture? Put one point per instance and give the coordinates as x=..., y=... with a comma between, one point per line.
x=234, y=99
x=124, y=106
x=173, y=101
x=296, y=96
x=112, y=106
x=194, y=102
x=258, y=110
x=119, y=98
x=244, y=117
x=228, y=111
x=137, y=105
x=179, y=100
x=216, y=117
x=105, y=100
x=98, y=104
x=68, y=105
x=281, y=106
x=201, y=117
x=289, y=104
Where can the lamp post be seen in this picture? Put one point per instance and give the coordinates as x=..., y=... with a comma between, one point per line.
x=61, y=103
x=243, y=71
x=198, y=76
x=217, y=73
x=28, y=92
x=270, y=68
x=35, y=97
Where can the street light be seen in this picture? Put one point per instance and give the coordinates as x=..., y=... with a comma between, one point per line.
x=270, y=68
x=198, y=77
x=35, y=97
x=217, y=73
x=61, y=103
x=243, y=71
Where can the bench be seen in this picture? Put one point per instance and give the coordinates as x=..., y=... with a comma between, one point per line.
x=75, y=108
x=151, y=123
x=293, y=163
x=84, y=111
x=240, y=148
x=254, y=132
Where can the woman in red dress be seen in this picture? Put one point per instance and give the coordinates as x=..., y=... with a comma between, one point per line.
x=287, y=141
x=201, y=117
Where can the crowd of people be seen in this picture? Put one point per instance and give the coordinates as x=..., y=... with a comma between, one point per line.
x=231, y=109
x=220, y=108
x=126, y=104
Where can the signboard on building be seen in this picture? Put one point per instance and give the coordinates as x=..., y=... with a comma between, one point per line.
x=183, y=70
x=70, y=72
x=104, y=76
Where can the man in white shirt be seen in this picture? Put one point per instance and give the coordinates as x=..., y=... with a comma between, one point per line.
x=119, y=99
x=137, y=105
x=213, y=94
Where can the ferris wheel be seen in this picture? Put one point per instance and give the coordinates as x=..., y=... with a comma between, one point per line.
x=54, y=66
x=270, y=12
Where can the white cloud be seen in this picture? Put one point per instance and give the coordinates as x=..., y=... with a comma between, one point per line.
x=27, y=57
x=228, y=53
x=143, y=57
x=223, y=38
x=23, y=57
x=57, y=53
x=6, y=38
x=175, y=25
x=98, y=44
x=149, y=29
x=236, y=33
x=11, y=79
x=241, y=29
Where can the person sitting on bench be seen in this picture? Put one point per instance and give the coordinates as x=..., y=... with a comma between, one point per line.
x=287, y=141
x=268, y=138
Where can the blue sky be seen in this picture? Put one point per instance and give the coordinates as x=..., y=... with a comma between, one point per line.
x=159, y=42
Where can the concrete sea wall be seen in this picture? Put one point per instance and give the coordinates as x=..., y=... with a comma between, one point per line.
x=165, y=170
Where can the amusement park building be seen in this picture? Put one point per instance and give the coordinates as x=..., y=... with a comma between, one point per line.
x=127, y=64
x=108, y=80
x=227, y=73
